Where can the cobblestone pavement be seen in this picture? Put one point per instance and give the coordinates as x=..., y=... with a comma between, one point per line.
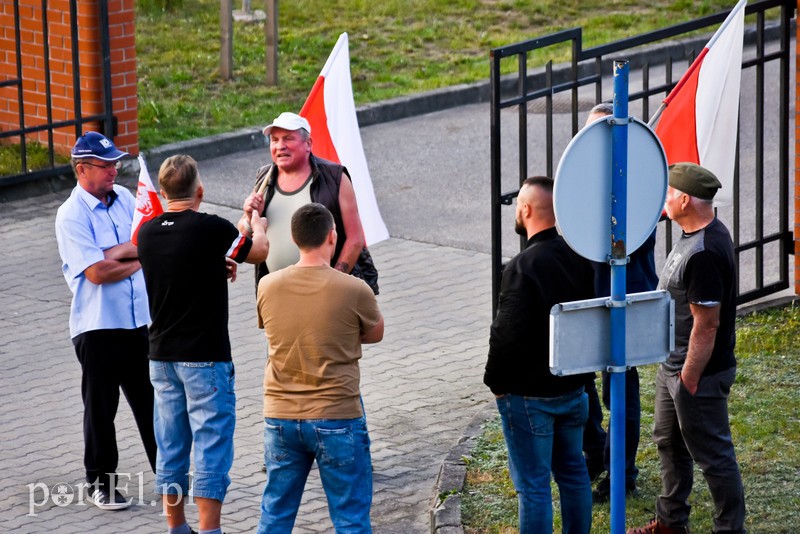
x=421, y=387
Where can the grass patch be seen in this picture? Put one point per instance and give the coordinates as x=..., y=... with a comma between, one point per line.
x=765, y=421
x=37, y=156
x=397, y=47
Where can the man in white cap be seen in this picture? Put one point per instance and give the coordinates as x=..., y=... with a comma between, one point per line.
x=109, y=315
x=295, y=178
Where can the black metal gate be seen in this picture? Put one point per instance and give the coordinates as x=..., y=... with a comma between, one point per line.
x=21, y=135
x=559, y=94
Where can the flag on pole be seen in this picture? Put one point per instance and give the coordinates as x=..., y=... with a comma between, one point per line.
x=148, y=205
x=331, y=112
x=700, y=118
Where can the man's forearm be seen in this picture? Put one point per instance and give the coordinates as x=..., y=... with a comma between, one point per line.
x=349, y=255
x=701, y=346
x=110, y=271
x=244, y=226
x=122, y=252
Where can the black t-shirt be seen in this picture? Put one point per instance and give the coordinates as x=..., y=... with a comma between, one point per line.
x=701, y=269
x=183, y=260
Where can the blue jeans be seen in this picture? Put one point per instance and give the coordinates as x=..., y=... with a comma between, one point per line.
x=341, y=449
x=194, y=402
x=545, y=435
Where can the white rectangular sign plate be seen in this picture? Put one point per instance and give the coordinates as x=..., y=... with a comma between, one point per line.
x=580, y=333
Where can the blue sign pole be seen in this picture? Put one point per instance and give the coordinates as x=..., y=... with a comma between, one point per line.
x=618, y=261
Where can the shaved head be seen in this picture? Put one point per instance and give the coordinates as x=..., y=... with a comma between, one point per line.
x=535, y=206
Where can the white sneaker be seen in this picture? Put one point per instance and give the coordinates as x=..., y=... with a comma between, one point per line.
x=102, y=499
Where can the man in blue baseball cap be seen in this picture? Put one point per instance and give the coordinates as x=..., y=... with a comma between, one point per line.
x=109, y=312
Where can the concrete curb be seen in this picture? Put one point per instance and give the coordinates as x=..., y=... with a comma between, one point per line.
x=446, y=506
x=775, y=303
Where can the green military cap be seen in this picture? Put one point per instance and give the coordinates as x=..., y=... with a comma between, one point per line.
x=693, y=180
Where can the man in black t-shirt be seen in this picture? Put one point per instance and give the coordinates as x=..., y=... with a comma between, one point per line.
x=185, y=258
x=692, y=386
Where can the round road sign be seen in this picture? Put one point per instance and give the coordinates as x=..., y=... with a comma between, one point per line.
x=582, y=190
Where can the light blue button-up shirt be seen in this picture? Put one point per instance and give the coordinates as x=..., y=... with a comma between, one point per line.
x=85, y=227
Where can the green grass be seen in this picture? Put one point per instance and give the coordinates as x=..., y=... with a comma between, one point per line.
x=397, y=47
x=765, y=421
x=37, y=156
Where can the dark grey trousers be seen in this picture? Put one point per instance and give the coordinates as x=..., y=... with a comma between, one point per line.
x=690, y=429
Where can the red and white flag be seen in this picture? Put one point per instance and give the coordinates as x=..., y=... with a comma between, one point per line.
x=148, y=205
x=331, y=112
x=701, y=119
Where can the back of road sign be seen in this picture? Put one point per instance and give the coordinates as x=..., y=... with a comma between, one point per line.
x=580, y=333
x=582, y=190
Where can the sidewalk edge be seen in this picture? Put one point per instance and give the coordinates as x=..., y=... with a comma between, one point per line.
x=445, y=512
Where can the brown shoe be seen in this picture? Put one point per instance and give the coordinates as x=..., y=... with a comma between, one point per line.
x=657, y=527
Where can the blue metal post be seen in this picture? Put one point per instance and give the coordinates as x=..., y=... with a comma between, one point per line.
x=619, y=209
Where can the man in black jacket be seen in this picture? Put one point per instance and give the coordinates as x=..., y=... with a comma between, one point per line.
x=542, y=414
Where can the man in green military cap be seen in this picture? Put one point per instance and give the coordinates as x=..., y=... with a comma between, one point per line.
x=692, y=386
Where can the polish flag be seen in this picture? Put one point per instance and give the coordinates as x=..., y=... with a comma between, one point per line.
x=148, y=205
x=331, y=112
x=700, y=120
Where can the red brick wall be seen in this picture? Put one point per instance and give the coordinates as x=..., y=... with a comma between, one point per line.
x=123, y=68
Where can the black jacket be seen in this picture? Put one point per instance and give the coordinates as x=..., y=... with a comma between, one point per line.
x=325, y=179
x=547, y=272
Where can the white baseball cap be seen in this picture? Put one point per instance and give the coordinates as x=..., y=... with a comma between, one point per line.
x=288, y=121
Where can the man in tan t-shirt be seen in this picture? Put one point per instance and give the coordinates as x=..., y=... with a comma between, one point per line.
x=316, y=319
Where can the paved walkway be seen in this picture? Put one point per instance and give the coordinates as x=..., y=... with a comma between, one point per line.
x=421, y=386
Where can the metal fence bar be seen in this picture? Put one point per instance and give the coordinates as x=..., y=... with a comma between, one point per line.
x=549, y=125
x=577, y=75
x=783, y=141
x=495, y=186
x=110, y=123
x=55, y=125
x=22, y=146
x=105, y=118
x=76, y=63
x=759, y=130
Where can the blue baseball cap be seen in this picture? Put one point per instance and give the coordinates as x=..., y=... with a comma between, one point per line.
x=96, y=145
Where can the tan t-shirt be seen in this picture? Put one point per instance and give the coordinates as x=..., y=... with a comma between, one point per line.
x=313, y=318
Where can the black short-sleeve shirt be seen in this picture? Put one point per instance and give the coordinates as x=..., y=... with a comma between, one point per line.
x=701, y=269
x=183, y=259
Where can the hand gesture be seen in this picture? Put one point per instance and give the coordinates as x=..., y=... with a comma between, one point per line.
x=231, y=268
x=253, y=204
x=257, y=221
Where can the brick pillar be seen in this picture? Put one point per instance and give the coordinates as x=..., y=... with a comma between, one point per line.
x=123, y=68
x=797, y=163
